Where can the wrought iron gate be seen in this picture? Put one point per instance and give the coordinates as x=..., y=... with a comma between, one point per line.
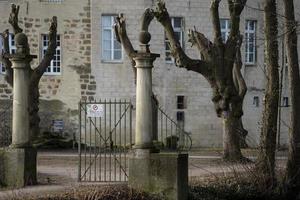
x=105, y=138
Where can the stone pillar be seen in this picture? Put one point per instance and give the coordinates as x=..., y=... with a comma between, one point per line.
x=144, y=135
x=149, y=170
x=18, y=162
x=20, y=123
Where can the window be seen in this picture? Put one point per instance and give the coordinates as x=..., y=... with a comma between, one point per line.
x=256, y=101
x=181, y=102
x=225, y=29
x=250, y=39
x=180, y=116
x=111, y=48
x=12, y=49
x=177, y=24
x=285, y=102
x=55, y=65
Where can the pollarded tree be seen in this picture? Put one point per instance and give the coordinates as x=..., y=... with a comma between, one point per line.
x=35, y=73
x=220, y=65
x=291, y=41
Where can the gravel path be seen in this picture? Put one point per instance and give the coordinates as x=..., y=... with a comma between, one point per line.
x=58, y=171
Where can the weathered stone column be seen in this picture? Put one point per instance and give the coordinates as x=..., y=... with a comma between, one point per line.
x=20, y=123
x=19, y=160
x=144, y=134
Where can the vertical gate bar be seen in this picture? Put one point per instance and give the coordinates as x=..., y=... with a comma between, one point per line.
x=120, y=142
x=176, y=133
x=85, y=142
x=105, y=140
x=100, y=150
x=171, y=134
x=125, y=132
x=130, y=118
x=95, y=147
x=166, y=130
x=115, y=140
x=90, y=148
x=110, y=140
x=79, y=145
x=161, y=127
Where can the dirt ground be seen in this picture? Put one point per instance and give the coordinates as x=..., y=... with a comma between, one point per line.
x=58, y=170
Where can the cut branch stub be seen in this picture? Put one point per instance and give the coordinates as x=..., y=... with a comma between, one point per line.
x=14, y=20
x=145, y=36
x=122, y=37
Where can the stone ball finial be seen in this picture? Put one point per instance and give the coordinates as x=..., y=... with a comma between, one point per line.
x=21, y=39
x=144, y=37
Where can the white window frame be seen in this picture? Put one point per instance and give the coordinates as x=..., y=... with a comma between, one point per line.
x=248, y=34
x=167, y=42
x=12, y=49
x=112, y=40
x=51, y=67
x=225, y=30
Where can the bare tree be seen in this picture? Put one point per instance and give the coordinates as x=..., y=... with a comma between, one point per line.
x=220, y=65
x=293, y=164
x=35, y=73
x=266, y=158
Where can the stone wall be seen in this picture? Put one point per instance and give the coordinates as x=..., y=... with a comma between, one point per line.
x=60, y=92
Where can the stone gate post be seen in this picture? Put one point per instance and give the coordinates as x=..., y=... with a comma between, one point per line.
x=149, y=169
x=144, y=64
x=19, y=160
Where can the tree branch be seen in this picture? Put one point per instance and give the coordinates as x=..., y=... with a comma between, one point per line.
x=203, y=44
x=238, y=79
x=235, y=9
x=181, y=59
x=13, y=19
x=4, y=58
x=214, y=9
x=49, y=55
x=122, y=37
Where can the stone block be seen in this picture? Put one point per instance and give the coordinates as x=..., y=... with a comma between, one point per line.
x=159, y=173
x=18, y=167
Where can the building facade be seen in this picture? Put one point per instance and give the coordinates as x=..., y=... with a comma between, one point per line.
x=91, y=65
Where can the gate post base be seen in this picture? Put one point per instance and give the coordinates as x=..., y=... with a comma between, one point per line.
x=18, y=167
x=159, y=173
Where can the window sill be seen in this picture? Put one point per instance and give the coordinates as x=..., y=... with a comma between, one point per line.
x=112, y=61
x=52, y=74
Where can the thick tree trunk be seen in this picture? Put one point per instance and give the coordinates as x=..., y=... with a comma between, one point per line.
x=242, y=134
x=293, y=164
x=266, y=159
x=34, y=119
x=231, y=138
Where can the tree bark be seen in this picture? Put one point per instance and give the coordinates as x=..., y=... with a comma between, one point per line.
x=231, y=138
x=220, y=65
x=266, y=160
x=293, y=164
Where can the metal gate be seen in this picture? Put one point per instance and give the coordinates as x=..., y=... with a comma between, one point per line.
x=105, y=138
